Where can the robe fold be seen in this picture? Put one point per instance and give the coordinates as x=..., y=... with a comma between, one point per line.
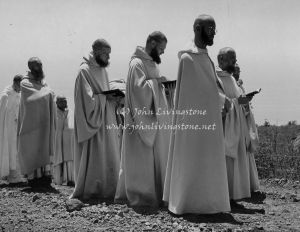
x=64, y=149
x=9, y=112
x=36, y=127
x=144, y=151
x=97, y=149
x=196, y=178
x=252, y=143
x=235, y=146
x=120, y=114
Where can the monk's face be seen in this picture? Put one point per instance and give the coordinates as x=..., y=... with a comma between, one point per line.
x=236, y=73
x=208, y=32
x=102, y=56
x=229, y=62
x=36, y=70
x=157, y=50
x=62, y=104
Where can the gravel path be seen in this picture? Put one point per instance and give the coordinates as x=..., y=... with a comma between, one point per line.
x=26, y=209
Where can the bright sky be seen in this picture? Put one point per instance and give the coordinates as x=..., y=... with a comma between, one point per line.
x=264, y=33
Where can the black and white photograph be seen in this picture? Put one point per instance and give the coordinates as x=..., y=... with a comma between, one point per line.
x=150, y=115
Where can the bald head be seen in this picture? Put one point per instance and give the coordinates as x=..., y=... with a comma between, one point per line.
x=34, y=61
x=101, y=51
x=203, y=19
x=61, y=102
x=204, y=30
x=155, y=45
x=225, y=53
x=227, y=59
x=17, y=82
x=18, y=78
x=36, y=68
x=61, y=98
x=236, y=73
x=100, y=44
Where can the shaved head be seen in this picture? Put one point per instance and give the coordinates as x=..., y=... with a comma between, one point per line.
x=202, y=20
x=18, y=78
x=204, y=30
x=225, y=52
x=227, y=59
x=101, y=52
x=34, y=61
x=61, y=98
x=36, y=68
x=236, y=73
x=61, y=102
x=17, y=82
x=99, y=44
x=155, y=45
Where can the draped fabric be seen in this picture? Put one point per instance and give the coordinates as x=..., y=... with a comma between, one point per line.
x=36, y=127
x=64, y=149
x=9, y=112
x=196, y=178
x=252, y=143
x=97, y=148
x=236, y=135
x=144, y=151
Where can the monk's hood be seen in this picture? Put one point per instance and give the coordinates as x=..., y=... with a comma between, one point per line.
x=31, y=77
x=222, y=73
x=141, y=54
x=192, y=48
x=90, y=60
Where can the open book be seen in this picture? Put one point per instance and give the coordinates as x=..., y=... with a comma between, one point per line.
x=114, y=92
x=167, y=83
x=251, y=94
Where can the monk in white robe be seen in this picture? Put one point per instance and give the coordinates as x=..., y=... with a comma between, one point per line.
x=196, y=178
x=36, y=126
x=252, y=140
x=9, y=112
x=97, y=149
x=144, y=150
x=235, y=126
x=63, y=171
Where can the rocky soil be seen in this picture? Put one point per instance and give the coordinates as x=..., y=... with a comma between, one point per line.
x=27, y=209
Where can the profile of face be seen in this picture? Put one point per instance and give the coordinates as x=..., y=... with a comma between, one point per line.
x=36, y=69
x=208, y=32
x=102, y=57
x=62, y=104
x=236, y=73
x=229, y=62
x=157, y=50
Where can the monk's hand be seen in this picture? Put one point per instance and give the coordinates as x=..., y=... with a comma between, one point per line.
x=244, y=100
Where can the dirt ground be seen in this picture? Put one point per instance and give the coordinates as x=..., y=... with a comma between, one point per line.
x=26, y=209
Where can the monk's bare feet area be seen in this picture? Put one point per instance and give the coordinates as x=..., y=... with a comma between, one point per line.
x=275, y=208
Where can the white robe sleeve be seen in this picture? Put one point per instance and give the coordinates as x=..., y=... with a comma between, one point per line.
x=141, y=97
x=89, y=108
